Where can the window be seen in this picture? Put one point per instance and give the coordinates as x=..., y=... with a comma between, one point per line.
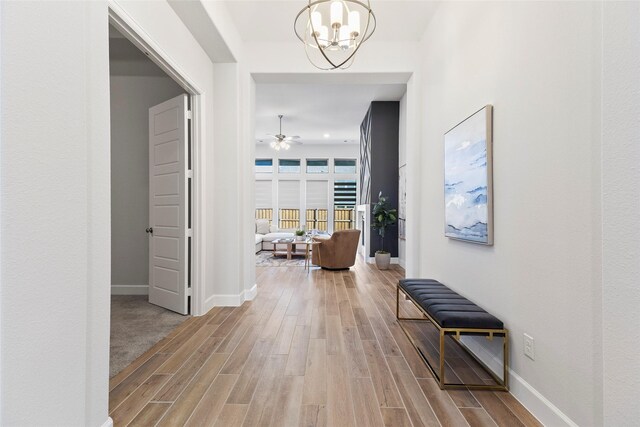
x=317, y=203
x=289, y=204
x=345, y=166
x=344, y=201
x=264, y=200
x=344, y=194
x=317, y=166
x=289, y=166
x=264, y=165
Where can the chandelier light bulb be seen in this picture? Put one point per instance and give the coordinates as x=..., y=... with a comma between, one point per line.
x=316, y=22
x=323, y=38
x=336, y=14
x=345, y=37
x=354, y=23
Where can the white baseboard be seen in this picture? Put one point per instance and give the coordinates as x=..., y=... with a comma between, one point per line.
x=541, y=408
x=372, y=260
x=545, y=411
x=129, y=289
x=250, y=294
x=230, y=300
x=108, y=423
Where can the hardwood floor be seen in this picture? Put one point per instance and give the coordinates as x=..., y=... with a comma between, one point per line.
x=313, y=349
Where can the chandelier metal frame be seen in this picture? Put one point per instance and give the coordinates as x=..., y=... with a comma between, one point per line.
x=311, y=34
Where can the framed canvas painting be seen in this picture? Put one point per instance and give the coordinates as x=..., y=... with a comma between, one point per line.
x=468, y=195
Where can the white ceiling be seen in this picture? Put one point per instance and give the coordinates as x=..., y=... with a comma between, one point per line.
x=312, y=110
x=272, y=21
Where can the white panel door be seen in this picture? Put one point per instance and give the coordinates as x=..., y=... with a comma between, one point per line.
x=168, y=139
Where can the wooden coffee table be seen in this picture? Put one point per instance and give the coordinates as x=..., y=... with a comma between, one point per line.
x=291, y=248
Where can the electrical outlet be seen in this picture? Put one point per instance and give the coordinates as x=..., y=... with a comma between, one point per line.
x=529, y=347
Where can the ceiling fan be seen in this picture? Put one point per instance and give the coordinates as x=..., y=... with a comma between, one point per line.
x=283, y=141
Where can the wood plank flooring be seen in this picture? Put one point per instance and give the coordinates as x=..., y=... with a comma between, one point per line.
x=315, y=348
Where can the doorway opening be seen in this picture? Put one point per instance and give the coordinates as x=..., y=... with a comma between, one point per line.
x=151, y=213
x=311, y=173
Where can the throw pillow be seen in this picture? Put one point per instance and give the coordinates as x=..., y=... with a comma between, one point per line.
x=262, y=226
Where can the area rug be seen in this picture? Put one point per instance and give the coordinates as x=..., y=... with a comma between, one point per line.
x=136, y=325
x=266, y=259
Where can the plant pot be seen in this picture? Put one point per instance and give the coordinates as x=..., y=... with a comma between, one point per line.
x=383, y=260
x=299, y=238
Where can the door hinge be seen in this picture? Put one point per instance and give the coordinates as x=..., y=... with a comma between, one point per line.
x=189, y=174
x=189, y=115
x=188, y=292
x=189, y=232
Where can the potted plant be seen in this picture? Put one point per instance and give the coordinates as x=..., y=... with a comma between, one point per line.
x=382, y=217
x=299, y=235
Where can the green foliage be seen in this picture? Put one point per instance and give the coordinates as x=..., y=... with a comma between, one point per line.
x=299, y=232
x=382, y=217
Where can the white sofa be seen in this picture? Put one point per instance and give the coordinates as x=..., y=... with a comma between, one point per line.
x=266, y=234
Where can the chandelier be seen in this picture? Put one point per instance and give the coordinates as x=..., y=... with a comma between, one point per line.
x=332, y=33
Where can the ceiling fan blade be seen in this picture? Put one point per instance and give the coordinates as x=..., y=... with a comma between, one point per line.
x=289, y=138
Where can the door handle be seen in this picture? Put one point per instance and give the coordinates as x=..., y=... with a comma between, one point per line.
x=149, y=230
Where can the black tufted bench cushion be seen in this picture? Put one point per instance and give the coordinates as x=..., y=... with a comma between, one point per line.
x=446, y=307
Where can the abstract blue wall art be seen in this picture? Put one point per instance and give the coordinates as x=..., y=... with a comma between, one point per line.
x=468, y=195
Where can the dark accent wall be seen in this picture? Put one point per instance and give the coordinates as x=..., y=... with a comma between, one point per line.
x=379, y=164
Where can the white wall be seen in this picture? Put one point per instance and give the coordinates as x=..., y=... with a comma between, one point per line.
x=538, y=63
x=55, y=256
x=402, y=161
x=228, y=288
x=1, y=133
x=55, y=253
x=621, y=212
x=131, y=98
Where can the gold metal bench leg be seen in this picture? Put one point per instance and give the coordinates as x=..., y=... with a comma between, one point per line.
x=442, y=336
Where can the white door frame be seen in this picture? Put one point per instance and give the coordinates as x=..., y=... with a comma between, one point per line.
x=135, y=34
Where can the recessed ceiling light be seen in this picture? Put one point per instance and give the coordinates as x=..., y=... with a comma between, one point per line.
x=326, y=135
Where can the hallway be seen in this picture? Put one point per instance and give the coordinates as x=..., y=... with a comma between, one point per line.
x=312, y=349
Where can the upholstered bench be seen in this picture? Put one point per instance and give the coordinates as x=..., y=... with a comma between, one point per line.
x=454, y=315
